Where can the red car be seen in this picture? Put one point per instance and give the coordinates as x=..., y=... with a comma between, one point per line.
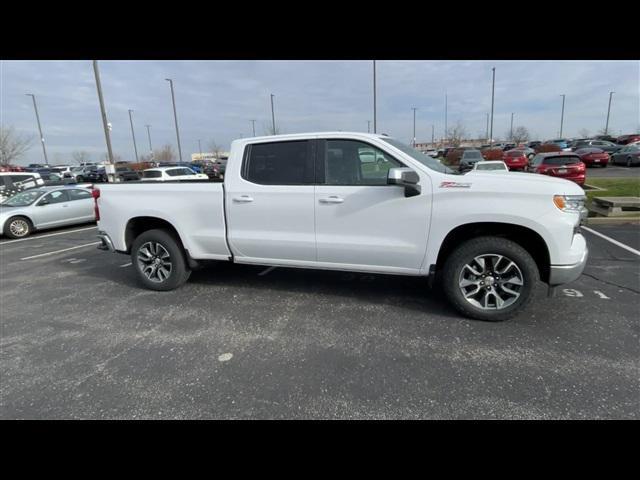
x=565, y=165
x=627, y=139
x=593, y=156
x=516, y=159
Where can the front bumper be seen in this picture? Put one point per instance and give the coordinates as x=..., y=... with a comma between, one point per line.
x=561, y=274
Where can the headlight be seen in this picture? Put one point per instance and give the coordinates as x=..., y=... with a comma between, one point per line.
x=569, y=203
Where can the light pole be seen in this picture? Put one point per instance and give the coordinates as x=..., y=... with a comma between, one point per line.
x=414, y=126
x=493, y=85
x=375, y=123
x=175, y=117
x=200, y=149
x=511, y=131
x=562, y=115
x=446, y=102
x=149, y=135
x=606, y=128
x=273, y=116
x=44, y=150
x=368, y=126
x=253, y=125
x=133, y=134
x=487, y=134
x=111, y=170
x=433, y=132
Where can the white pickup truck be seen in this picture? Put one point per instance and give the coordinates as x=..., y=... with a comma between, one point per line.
x=318, y=200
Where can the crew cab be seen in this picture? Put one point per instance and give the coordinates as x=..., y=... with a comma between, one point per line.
x=317, y=201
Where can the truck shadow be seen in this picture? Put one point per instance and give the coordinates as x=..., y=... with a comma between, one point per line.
x=394, y=290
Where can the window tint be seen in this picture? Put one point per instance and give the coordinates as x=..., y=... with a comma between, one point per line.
x=78, y=194
x=58, y=196
x=350, y=162
x=279, y=163
x=151, y=174
x=564, y=160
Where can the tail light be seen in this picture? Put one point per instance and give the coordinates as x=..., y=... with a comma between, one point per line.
x=95, y=193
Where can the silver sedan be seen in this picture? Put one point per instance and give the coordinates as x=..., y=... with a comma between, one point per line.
x=45, y=207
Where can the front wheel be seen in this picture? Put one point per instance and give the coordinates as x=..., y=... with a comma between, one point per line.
x=18, y=227
x=490, y=278
x=159, y=260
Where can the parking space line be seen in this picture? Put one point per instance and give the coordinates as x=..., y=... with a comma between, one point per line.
x=60, y=251
x=126, y=265
x=609, y=239
x=48, y=235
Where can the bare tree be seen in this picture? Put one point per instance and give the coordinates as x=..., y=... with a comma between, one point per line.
x=12, y=145
x=215, y=149
x=584, y=133
x=165, y=154
x=520, y=134
x=456, y=134
x=80, y=156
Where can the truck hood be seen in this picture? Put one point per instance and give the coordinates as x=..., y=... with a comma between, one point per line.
x=517, y=182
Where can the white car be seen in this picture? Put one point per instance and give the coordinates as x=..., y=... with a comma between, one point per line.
x=490, y=166
x=164, y=174
x=432, y=152
x=12, y=182
x=313, y=200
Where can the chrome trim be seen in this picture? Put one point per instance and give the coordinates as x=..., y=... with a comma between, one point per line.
x=106, y=244
x=561, y=274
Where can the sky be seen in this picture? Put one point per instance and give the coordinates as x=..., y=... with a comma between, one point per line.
x=216, y=100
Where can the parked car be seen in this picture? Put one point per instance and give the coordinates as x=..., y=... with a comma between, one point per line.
x=606, y=138
x=165, y=174
x=547, y=148
x=468, y=159
x=125, y=174
x=565, y=165
x=34, y=166
x=563, y=143
x=80, y=174
x=534, y=143
x=54, y=179
x=529, y=152
x=45, y=207
x=454, y=155
x=490, y=166
x=509, y=146
x=628, y=155
x=516, y=159
x=489, y=237
x=432, y=152
x=14, y=182
x=492, y=153
x=95, y=174
x=605, y=145
x=11, y=168
x=593, y=156
x=627, y=139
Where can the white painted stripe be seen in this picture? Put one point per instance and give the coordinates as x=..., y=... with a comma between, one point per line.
x=44, y=236
x=59, y=251
x=264, y=272
x=609, y=239
x=126, y=265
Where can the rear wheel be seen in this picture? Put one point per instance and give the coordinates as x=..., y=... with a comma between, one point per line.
x=490, y=278
x=159, y=260
x=629, y=162
x=18, y=227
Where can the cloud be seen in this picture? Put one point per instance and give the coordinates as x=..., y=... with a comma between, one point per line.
x=217, y=99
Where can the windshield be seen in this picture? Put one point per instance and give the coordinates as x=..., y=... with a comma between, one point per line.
x=23, y=199
x=472, y=154
x=425, y=160
x=490, y=166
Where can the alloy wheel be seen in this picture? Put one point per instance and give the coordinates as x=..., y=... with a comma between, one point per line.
x=19, y=227
x=154, y=261
x=491, y=282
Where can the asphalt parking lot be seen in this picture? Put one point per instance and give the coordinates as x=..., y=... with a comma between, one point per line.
x=612, y=171
x=81, y=339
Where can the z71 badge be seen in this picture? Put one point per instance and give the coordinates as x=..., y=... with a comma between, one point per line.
x=455, y=185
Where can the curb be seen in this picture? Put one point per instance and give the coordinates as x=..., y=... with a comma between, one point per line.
x=613, y=220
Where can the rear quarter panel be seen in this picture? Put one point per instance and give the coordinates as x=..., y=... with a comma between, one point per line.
x=195, y=210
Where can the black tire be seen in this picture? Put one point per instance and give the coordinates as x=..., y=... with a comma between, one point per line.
x=24, y=222
x=79, y=179
x=629, y=164
x=179, y=271
x=465, y=254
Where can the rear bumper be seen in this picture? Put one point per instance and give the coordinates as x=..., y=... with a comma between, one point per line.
x=561, y=274
x=105, y=242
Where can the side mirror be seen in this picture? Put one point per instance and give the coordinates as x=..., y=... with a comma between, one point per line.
x=407, y=178
x=43, y=202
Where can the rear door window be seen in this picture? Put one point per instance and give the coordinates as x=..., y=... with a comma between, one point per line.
x=59, y=196
x=78, y=194
x=279, y=163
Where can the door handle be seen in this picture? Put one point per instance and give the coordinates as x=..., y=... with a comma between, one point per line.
x=65, y=205
x=243, y=199
x=332, y=199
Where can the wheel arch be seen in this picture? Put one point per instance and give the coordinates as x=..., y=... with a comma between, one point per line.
x=23, y=215
x=138, y=225
x=527, y=238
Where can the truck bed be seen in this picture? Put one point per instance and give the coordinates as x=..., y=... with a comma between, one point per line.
x=196, y=209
